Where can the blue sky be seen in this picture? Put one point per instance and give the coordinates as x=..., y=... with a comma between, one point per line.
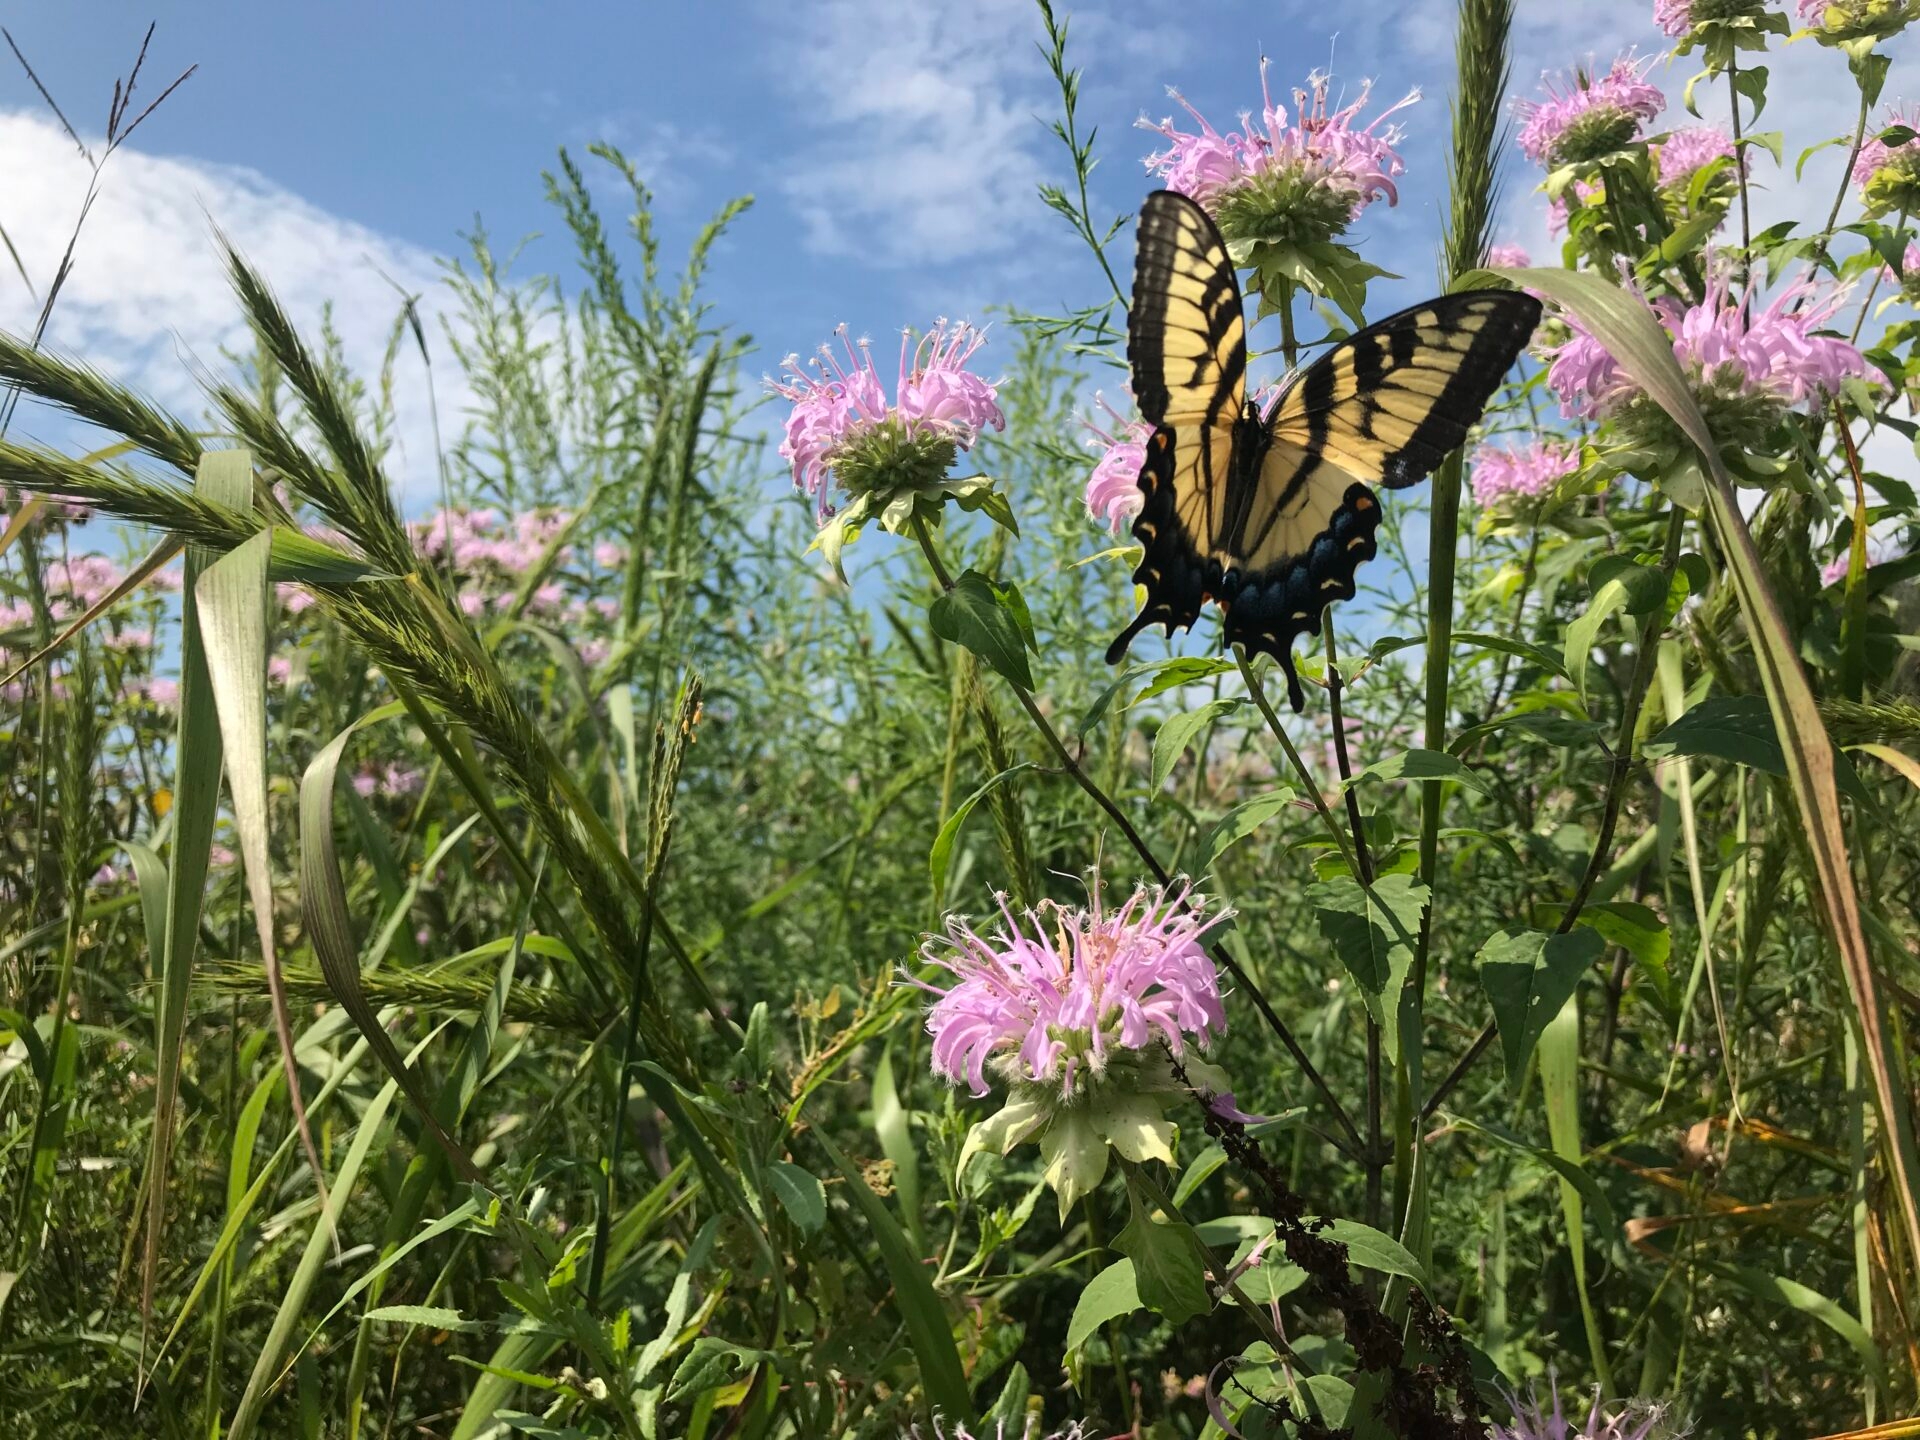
x=893, y=148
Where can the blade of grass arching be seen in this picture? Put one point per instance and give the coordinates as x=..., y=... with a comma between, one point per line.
x=1859, y=1157
x=233, y=626
x=17, y=523
x=1623, y=324
x=225, y=477
x=134, y=579
x=942, y=1377
x=1559, y=1052
x=323, y=912
x=267, y=1369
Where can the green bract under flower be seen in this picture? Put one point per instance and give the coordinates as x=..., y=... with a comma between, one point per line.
x=1858, y=22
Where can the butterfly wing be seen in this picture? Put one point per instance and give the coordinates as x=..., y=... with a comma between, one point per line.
x=1387, y=405
x=1187, y=344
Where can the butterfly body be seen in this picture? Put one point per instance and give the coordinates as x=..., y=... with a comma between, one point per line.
x=1270, y=515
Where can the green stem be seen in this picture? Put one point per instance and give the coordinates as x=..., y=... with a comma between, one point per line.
x=1070, y=763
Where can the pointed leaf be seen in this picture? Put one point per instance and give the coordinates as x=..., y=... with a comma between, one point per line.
x=1528, y=975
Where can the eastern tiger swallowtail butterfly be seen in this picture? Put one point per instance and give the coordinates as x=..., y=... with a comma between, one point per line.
x=1269, y=519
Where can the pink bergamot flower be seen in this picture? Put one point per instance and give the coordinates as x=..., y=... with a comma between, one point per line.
x=1294, y=181
x=1585, y=116
x=1075, y=1012
x=1510, y=478
x=1887, y=170
x=1113, y=489
x=1509, y=257
x=1629, y=1420
x=845, y=432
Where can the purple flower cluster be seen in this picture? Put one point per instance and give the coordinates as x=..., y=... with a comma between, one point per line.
x=1506, y=475
x=1357, y=164
x=392, y=780
x=935, y=397
x=1634, y=1420
x=1586, y=116
x=1889, y=175
x=484, y=539
x=1050, y=1003
x=1113, y=489
x=1685, y=153
x=1775, y=354
x=1508, y=257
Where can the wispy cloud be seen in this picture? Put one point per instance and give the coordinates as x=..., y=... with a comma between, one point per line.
x=147, y=300
x=914, y=138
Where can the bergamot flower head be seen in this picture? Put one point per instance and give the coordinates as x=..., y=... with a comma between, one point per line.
x=1113, y=489
x=1853, y=22
x=844, y=429
x=1887, y=170
x=1748, y=366
x=1628, y=1420
x=1514, y=479
x=1586, y=116
x=1075, y=1011
x=1295, y=181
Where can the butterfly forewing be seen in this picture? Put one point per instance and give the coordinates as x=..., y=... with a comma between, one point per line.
x=1272, y=521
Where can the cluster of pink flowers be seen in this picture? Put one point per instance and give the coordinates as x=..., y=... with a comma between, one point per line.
x=155, y=690
x=935, y=397
x=1359, y=163
x=1113, y=489
x=1685, y=153
x=1632, y=1420
x=1775, y=353
x=391, y=780
x=1587, y=115
x=1506, y=475
x=1509, y=257
x=1048, y=1007
x=485, y=539
x=1889, y=175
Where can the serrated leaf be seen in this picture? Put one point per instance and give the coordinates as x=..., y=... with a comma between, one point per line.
x=801, y=1195
x=711, y=1363
x=1109, y=1295
x=1168, y=1275
x=1372, y=1250
x=1372, y=933
x=1421, y=765
x=1180, y=731
x=1181, y=670
x=434, y=1317
x=1528, y=975
x=1725, y=727
x=1634, y=928
x=989, y=618
x=1244, y=819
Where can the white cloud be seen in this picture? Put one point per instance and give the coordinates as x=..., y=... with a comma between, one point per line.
x=148, y=302
x=916, y=139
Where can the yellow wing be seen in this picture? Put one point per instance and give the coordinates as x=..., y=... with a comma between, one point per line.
x=1387, y=405
x=1187, y=344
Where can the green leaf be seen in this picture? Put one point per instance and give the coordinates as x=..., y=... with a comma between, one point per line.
x=1108, y=1296
x=989, y=618
x=940, y=858
x=1182, y=730
x=1421, y=765
x=1369, y=1248
x=1519, y=649
x=1244, y=819
x=1807, y=1301
x=1528, y=975
x=801, y=1195
x=1167, y=1269
x=1619, y=584
x=1373, y=934
x=928, y=1328
x=1634, y=928
x=1181, y=670
x=1569, y=1172
x=434, y=1317
x=1725, y=727
x=711, y=1363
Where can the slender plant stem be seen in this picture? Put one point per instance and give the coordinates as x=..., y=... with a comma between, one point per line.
x=1622, y=767
x=1376, y=1157
x=1070, y=763
x=1740, y=178
x=1305, y=776
x=1846, y=173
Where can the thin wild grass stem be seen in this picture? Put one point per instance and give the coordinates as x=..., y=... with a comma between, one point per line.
x=1070, y=763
